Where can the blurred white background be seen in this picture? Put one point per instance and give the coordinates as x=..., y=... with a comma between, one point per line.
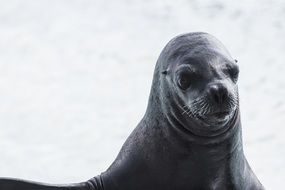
x=75, y=78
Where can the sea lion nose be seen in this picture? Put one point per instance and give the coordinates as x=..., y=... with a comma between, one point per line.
x=219, y=93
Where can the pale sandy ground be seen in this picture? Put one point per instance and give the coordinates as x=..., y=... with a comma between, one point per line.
x=75, y=79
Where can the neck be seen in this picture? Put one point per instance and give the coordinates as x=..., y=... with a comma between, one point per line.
x=216, y=156
x=161, y=148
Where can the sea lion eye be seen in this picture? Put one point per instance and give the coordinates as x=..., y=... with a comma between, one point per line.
x=184, y=81
x=233, y=73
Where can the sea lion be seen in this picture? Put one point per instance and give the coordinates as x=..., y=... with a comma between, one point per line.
x=190, y=136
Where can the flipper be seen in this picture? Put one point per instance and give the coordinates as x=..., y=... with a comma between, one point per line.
x=18, y=184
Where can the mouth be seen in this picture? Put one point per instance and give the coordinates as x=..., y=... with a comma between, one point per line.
x=219, y=118
x=215, y=118
x=219, y=115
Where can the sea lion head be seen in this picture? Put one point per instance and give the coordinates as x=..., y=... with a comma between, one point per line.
x=198, y=82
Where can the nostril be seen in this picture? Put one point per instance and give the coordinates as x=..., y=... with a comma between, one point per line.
x=215, y=94
x=224, y=93
x=219, y=93
x=217, y=98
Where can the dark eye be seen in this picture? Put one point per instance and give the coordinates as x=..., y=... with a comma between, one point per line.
x=233, y=73
x=184, y=81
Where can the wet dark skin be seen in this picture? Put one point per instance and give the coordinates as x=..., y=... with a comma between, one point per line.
x=190, y=136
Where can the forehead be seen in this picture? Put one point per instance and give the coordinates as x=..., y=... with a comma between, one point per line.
x=206, y=59
x=198, y=50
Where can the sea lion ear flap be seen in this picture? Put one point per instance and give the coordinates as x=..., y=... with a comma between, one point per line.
x=164, y=72
x=236, y=60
